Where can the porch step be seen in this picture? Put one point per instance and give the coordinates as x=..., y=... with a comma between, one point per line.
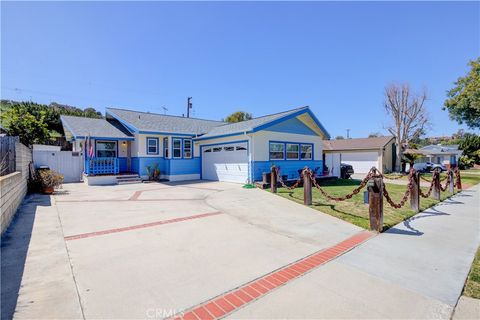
x=129, y=179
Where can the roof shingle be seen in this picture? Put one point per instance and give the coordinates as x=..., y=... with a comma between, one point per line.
x=357, y=144
x=80, y=126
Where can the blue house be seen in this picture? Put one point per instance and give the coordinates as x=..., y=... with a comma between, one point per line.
x=183, y=148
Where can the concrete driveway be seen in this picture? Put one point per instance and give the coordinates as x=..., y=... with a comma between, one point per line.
x=155, y=250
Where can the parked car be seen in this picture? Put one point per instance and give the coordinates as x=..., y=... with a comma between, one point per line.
x=428, y=166
x=346, y=171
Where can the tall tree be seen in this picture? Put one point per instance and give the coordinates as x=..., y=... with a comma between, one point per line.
x=238, y=117
x=463, y=103
x=408, y=114
x=30, y=128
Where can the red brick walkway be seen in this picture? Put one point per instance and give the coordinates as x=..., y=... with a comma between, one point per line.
x=232, y=300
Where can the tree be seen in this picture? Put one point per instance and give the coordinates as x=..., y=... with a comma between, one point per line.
x=409, y=116
x=374, y=135
x=339, y=138
x=463, y=103
x=31, y=129
x=470, y=144
x=238, y=116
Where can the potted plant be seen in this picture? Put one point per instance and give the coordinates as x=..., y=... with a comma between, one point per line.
x=326, y=171
x=49, y=180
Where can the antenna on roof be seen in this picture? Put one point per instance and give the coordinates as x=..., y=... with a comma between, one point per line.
x=189, y=106
x=164, y=110
x=348, y=133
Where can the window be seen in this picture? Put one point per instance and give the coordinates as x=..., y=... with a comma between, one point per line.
x=241, y=148
x=165, y=147
x=177, y=148
x=106, y=149
x=208, y=150
x=292, y=151
x=187, y=148
x=217, y=149
x=229, y=148
x=306, y=153
x=152, y=145
x=276, y=150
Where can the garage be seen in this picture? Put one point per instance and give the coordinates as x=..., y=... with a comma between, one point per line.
x=225, y=162
x=361, y=162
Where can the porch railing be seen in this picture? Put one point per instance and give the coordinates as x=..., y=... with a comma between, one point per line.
x=96, y=166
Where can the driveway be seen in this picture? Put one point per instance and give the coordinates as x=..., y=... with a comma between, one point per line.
x=153, y=250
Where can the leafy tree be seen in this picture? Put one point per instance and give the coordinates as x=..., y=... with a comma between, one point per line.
x=30, y=128
x=463, y=103
x=238, y=117
x=339, y=138
x=470, y=144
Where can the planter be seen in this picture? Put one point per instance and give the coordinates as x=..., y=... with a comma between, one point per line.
x=47, y=190
x=325, y=172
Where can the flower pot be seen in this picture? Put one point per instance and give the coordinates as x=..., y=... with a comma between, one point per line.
x=47, y=190
x=325, y=172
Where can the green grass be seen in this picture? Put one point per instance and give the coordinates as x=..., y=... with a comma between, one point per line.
x=472, y=287
x=354, y=210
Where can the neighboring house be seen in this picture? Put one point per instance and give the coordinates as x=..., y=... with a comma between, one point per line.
x=446, y=155
x=362, y=154
x=189, y=148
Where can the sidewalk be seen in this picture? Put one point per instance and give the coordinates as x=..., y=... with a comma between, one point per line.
x=415, y=270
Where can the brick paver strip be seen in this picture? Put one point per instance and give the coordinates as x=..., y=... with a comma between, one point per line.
x=230, y=301
x=139, y=226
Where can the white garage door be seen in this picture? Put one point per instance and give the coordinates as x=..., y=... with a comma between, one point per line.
x=226, y=162
x=361, y=161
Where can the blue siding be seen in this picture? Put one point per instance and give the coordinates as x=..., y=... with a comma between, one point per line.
x=184, y=166
x=166, y=166
x=287, y=167
x=292, y=126
x=122, y=164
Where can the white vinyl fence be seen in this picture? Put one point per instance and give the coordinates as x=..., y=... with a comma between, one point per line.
x=68, y=163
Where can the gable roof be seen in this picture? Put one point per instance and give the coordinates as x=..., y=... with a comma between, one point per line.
x=158, y=123
x=259, y=123
x=81, y=127
x=357, y=144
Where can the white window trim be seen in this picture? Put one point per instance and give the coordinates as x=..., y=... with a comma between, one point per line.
x=173, y=148
x=191, y=149
x=157, y=151
x=270, y=151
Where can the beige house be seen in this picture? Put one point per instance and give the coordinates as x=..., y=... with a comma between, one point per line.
x=362, y=154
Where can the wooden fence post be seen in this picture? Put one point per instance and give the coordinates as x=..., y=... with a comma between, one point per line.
x=307, y=188
x=436, y=185
x=273, y=179
x=375, y=203
x=415, y=192
x=451, y=185
x=459, y=180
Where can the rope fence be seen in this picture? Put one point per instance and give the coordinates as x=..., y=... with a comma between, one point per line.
x=377, y=189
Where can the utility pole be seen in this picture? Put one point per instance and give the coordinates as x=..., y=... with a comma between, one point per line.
x=348, y=133
x=189, y=106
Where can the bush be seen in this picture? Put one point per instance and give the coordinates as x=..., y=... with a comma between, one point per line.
x=49, y=179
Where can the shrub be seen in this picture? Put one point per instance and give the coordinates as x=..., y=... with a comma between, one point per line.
x=49, y=178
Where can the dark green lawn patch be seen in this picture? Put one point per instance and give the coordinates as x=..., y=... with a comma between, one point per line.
x=354, y=210
x=472, y=287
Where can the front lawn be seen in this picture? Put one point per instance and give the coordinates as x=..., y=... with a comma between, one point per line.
x=472, y=287
x=468, y=180
x=354, y=210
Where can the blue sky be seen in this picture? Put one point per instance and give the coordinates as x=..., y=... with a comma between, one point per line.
x=261, y=57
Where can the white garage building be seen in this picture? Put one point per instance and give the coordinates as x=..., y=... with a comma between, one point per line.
x=361, y=154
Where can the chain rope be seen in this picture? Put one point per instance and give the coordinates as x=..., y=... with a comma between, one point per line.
x=355, y=191
x=432, y=183
x=405, y=195
x=279, y=179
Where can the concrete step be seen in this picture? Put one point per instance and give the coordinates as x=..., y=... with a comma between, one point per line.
x=129, y=179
